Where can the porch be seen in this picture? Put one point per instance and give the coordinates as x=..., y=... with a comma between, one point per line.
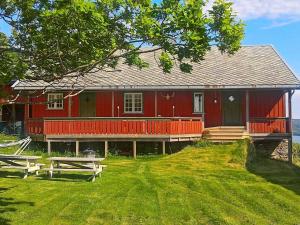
x=116, y=128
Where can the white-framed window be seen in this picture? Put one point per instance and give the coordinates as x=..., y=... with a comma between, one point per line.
x=55, y=101
x=133, y=102
x=198, y=102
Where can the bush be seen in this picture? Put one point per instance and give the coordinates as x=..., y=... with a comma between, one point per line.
x=202, y=143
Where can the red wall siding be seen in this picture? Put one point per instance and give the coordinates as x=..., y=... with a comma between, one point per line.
x=267, y=104
x=181, y=100
x=104, y=104
x=148, y=101
x=41, y=110
x=213, y=111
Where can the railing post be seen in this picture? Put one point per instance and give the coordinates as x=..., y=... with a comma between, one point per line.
x=163, y=147
x=247, y=112
x=77, y=148
x=134, y=149
x=105, y=149
x=49, y=147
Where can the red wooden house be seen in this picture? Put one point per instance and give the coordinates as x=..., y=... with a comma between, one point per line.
x=224, y=98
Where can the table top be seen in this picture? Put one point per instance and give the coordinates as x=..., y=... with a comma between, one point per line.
x=75, y=159
x=19, y=157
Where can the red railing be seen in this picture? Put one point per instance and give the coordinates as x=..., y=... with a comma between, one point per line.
x=109, y=126
x=34, y=126
x=269, y=125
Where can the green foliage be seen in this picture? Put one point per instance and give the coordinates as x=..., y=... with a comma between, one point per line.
x=53, y=38
x=202, y=143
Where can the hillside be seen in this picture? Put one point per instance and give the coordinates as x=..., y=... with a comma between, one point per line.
x=296, y=127
x=198, y=185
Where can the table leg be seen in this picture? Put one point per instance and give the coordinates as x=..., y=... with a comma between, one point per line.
x=51, y=170
x=58, y=166
x=25, y=174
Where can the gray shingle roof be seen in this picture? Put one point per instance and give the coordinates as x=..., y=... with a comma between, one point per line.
x=250, y=67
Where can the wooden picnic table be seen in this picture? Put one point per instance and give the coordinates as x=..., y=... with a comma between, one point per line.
x=28, y=164
x=76, y=164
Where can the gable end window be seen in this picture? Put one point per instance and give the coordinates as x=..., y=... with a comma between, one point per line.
x=55, y=101
x=198, y=102
x=133, y=103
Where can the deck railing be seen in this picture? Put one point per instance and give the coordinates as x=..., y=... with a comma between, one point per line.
x=109, y=126
x=269, y=125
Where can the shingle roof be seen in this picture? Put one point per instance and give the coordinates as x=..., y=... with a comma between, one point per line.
x=250, y=67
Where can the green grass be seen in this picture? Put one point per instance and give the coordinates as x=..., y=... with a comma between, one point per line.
x=207, y=185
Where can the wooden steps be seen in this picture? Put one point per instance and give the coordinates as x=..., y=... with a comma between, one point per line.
x=225, y=134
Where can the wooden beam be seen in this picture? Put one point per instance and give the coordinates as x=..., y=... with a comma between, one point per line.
x=290, y=140
x=49, y=147
x=163, y=147
x=247, y=112
x=113, y=104
x=134, y=149
x=77, y=148
x=155, y=103
x=105, y=149
x=70, y=106
x=290, y=150
x=290, y=112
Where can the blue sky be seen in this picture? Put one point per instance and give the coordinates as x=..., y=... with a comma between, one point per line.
x=275, y=22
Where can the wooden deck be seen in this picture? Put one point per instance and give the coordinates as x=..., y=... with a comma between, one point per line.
x=118, y=129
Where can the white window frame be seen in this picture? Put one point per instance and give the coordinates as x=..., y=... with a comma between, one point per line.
x=202, y=106
x=57, y=105
x=133, y=102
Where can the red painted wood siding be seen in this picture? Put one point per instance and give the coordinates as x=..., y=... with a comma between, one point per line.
x=267, y=104
x=40, y=109
x=146, y=127
x=271, y=106
x=213, y=110
x=263, y=104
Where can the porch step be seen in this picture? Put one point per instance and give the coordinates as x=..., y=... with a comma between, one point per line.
x=225, y=134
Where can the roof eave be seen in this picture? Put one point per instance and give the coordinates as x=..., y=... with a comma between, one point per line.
x=160, y=87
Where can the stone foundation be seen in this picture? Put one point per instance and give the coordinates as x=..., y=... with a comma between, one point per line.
x=273, y=149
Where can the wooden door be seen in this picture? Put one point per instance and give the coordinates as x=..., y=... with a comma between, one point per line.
x=232, y=108
x=87, y=104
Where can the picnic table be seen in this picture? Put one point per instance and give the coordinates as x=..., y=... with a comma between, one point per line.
x=28, y=164
x=60, y=164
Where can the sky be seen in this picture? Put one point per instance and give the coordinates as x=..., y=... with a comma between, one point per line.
x=275, y=22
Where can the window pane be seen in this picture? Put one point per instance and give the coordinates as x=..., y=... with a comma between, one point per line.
x=198, y=103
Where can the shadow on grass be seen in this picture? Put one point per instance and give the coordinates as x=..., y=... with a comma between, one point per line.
x=6, y=205
x=67, y=177
x=275, y=171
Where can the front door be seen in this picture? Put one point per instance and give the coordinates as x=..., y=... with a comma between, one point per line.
x=87, y=104
x=232, y=108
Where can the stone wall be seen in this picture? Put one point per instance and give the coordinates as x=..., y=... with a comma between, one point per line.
x=273, y=149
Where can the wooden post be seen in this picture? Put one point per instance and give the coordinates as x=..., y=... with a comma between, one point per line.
x=247, y=112
x=134, y=149
x=77, y=148
x=14, y=116
x=163, y=147
x=290, y=130
x=105, y=149
x=290, y=150
x=113, y=104
x=155, y=103
x=70, y=106
x=49, y=147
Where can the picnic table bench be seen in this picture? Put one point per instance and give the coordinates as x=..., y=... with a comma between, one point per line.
x=26, y=163
x=60, y=164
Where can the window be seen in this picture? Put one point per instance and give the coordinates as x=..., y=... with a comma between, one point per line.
x=198, y=102
x=133, y=102
x=55, y=101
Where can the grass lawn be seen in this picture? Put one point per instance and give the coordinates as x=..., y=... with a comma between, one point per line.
x=208, y=185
